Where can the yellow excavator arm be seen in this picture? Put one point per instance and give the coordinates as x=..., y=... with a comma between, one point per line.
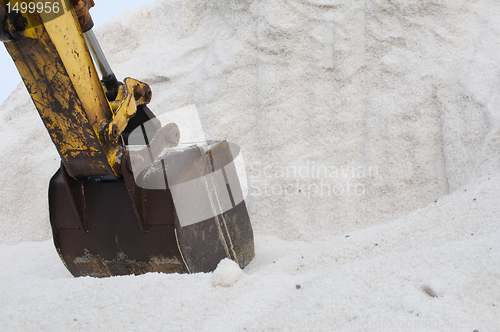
x=54, y=61
x=183, y=211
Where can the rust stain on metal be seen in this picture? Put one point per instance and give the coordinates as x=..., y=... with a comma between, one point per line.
x=82, y=8
x=95, y=266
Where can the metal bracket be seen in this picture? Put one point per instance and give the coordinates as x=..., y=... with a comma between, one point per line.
x=136, y=193
x=76, y=193
x=132, y=94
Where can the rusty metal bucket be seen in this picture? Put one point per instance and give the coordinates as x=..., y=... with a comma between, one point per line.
x=182, y=213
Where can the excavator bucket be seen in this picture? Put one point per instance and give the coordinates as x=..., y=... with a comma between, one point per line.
x=180, y=212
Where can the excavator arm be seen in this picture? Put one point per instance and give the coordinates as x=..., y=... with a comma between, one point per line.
x=53, y=58
x=107, y=219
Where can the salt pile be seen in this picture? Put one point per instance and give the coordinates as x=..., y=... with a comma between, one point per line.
x=370, y=133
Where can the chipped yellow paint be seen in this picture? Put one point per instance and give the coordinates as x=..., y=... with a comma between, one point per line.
x=58, y=71
x=68, y=40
